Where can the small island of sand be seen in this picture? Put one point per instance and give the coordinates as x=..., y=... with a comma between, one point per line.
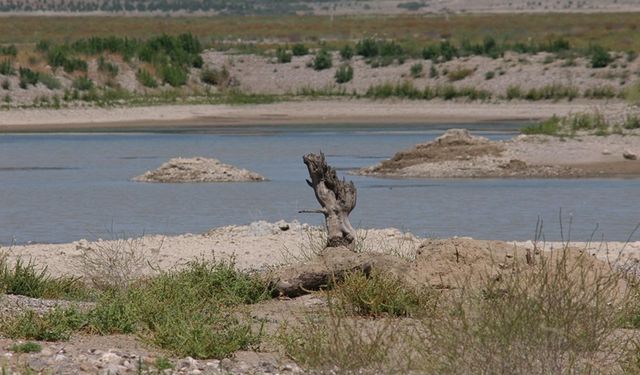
x=198, y=169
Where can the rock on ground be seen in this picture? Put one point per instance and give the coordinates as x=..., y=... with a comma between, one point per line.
x=198, y=169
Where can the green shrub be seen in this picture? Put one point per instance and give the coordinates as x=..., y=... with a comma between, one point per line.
x=283, y=55
x=459, y=74
x=552, y=92
x=383, y=50
x=197, y=62
x=55, y=325
x=489, y=75
x=322, y=60
x=173, y=75
x=416, y=70
x=433, y=72
x=299, y=49
x=546, y=127
x=586, y=121
x=367, y=47
x=10, y=50
x=146, y=78
x=107, y=67
x=444, y=51
x=600, y=57
x=6, y=67
x=72, y=65
x=632, y=122
x=600, y=92
x=28, y=77
x=344, y=73
x=215, y=77
x=50, y=81
x=82, y=83
x=27, y=347
x=6, y=85
x=514, y=92
x=346, y=52
x=114, y=313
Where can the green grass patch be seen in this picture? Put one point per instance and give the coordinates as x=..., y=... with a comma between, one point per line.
x=189, y=312
x=27, y=279
x=27, y=347
x=380, y=294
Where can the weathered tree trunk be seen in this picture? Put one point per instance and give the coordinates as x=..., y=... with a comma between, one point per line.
x=337, y=198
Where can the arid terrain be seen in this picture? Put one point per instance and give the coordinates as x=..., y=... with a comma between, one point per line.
x=288, y=297
x=260, y=247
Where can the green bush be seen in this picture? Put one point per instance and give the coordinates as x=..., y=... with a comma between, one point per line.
x=459, y=74
x=547, y=127
x=600, y=92
x=299, y=49
x=514, y=92
x=6, y=85
x=6, y=67
x=10, y=50
x=28, y=77
x=50, y=81
x=56, y=325
x=173, y=75
x=489, y=75
x=632, y=122
x=416, y=70
x=346, y=52
x=344, y=74
x=283, y=55
x=82, y=83
x=146, y=78
x=72, y=65
x=322, y=60
x=600, y=57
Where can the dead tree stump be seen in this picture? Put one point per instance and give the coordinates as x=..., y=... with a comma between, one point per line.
x=337, y=198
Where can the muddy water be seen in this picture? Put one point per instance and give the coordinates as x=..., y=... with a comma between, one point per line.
x=63, y=187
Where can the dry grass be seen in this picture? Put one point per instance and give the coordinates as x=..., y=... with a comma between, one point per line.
x=616, y=31
x=115, y=264
x=562, y=314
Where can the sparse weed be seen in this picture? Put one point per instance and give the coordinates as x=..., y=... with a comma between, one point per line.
x=115, y=264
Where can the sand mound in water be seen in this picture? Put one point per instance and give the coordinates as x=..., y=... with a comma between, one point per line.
x=198, y=169
x=454, y=144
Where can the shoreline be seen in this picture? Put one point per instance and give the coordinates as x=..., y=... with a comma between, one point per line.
x=204, y=116
x=261, y=245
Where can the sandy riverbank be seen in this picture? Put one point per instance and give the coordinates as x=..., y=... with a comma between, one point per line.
x=257, y=246
x=294, y=112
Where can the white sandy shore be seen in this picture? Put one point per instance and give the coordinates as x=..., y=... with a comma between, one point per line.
x=318, y=111
x=261, y=245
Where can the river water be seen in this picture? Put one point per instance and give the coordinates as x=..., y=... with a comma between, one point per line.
x=64, y=186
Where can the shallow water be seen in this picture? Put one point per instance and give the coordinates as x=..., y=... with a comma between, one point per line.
x=63, y=187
